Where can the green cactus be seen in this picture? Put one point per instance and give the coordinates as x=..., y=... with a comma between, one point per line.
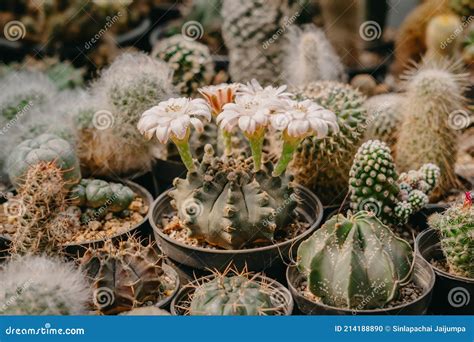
x=44, y=148
x=228, y=205
x=375, y=185
x=191, y=61
x=231, y=296
x=355, y=262
x=456, y=229
x=324, y=164
x=38, y=285
x=124, y=277
x=462, y=7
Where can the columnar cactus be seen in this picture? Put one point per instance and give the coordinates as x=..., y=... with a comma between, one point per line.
x=124, y=277
x=191, y=62
x=38, y=285
x=355, y=262
x=456, y=229
x=324, y=164
x=375, y=185
x=435, y=112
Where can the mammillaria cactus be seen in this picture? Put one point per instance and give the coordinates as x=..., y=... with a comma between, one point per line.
x=124, y=277
x=191, y=61
x=355, y=262
x=441, y=38
x=324, y=164
x=375, y=185
x=310, y=57
x=434, y=109
x=44, y=148
x=456, y=230
x=38, y=285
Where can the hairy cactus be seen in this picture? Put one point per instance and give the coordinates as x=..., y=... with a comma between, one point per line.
x=384, y=117
x=191, y=62
x=38, y=285
x=324, y=164
x=442, y=41
x=435, y=112
x=225, y=204
x=310, y=57
x=44, y=148
x=456, y=229
x=355, y=262
x=235, y=295
x=375, y=185
x=248, y=29
x=365, y=83
x=124, y=277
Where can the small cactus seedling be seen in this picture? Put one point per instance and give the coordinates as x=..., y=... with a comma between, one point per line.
x=375, y=185
x=38, y=285
x=456, y=230
x=355, y=262
x=124, y=277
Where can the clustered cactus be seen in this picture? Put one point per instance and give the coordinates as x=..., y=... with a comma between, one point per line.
x=191, y=62
x=456, y=230
x=375, y=185
x=124, y=277
x=38, y=285
x=355, y=262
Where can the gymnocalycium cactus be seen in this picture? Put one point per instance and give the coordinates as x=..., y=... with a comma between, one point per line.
x=38, y=285
x=456, y=229
x=124, y=277
x=191, y=61
x=232, y=202
x=375, y=185
x=355, y=262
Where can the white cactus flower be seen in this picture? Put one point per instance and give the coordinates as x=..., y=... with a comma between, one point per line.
x=254, y=88
x=173, y=117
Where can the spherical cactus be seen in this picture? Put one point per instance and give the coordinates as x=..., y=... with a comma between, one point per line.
x=124, y=277
x=225, y=204
x=324, y=164
x=37, y=285
x=231, y=296
x=441, y=38
x=355, y=262
x=44, y=148
x=456, y=230
x=191, y=62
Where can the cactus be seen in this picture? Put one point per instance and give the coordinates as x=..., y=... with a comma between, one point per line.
x=375, y=185
x=355, y=262
x=236, y=295
x=435, y=112
x=191, y=61
x=124, y=277
x=442, y=40
x=146, y=311
x=252, y=33
x=44, y=148
x=38, y=285
x=324, y=164
x=365, y=83
x=224, y=203
x=456, y=230
x=462, y=7
x=310, y=57
x=384, y=117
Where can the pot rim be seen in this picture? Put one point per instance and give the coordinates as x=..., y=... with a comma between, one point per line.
x=189, y=287
x=168, y=269
x=313, y=226
x=370, y=311
x=438, y=271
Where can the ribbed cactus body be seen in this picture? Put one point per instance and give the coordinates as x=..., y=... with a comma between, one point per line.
x=228, y=205
x=355, y=262
x=324, y=164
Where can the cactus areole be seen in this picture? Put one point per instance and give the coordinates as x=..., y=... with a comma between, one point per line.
x=355, y=262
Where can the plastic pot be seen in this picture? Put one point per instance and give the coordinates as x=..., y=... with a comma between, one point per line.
x=281, y=297
x=255, y=259
x=423, y=276
x=453, y=295
x=170, y=272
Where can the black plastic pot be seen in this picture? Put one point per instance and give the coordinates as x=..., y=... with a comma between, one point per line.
x=281, y=297
x=453, y=295
x=423, y=276
x=255, y=259
x=170, y=272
